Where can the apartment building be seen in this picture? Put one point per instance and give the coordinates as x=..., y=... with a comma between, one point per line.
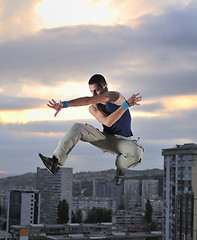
x=180, y=192
x=107, y=189
x=53, y=189
x=150, y=190
x=131, y=193
x=23, y=207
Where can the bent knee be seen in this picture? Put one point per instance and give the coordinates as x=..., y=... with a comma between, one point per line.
x=125, y=161
x=77, y=125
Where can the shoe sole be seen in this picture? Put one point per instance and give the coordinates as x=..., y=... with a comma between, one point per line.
x=42, y=158
x=121, y=181
x=118, y=184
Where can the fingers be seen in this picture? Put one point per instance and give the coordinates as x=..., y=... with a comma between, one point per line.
x=135, y=99
x=138, y=99
x=49, y=105
x=56, y=113
x=52, y=103
x=57, y=106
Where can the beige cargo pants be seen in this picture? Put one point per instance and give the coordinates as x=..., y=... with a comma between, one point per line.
x=129, y=152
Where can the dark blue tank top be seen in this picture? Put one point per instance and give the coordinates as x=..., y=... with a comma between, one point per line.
x=122, y=126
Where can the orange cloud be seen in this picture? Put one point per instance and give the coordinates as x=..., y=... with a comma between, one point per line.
x=171, y=104
x=24, y=116
x=176, y=103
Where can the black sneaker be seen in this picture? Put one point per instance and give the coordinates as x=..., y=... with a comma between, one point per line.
x=50, y=163
x=119, y=177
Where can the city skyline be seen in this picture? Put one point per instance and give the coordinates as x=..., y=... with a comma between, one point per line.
x=49, y=49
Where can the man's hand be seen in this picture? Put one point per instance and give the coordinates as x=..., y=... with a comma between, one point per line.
x=57, y=106
x=134, y=99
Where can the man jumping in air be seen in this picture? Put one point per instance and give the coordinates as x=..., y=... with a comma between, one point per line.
x=111, y=109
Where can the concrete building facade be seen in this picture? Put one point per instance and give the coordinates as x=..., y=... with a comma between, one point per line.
x=23, y=207
x=180, y=190
x=53, y=189
x=107, y=189
x=150, y=190
x=81, y=232
x=131, y=193
x=134, y=217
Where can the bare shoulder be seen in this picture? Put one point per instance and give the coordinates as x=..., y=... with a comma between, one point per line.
x=115, y=97
x=110, y=96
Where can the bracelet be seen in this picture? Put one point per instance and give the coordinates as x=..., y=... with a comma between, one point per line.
x=65, y=104
x=125, y=105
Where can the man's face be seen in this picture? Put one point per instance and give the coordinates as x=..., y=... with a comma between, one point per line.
x=97, y=90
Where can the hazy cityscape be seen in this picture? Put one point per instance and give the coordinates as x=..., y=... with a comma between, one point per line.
x=150, y=204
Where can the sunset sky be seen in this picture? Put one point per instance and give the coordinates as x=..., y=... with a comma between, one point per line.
x=50, y=49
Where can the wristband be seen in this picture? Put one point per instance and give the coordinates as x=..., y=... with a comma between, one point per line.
x=125, y=105
x=65, y=104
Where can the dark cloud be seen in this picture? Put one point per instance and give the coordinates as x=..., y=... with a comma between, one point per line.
x=17, y=103
x=180, y=125
x=159, y=85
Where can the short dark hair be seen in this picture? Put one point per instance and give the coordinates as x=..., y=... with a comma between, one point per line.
x=97, y=79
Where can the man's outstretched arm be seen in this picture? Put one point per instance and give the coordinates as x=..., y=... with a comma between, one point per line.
x=112, y=96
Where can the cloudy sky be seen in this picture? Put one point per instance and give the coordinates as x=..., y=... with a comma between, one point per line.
x=50, y=49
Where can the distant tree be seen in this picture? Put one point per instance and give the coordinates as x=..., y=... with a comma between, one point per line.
x=4, y=225
x=98, y=215
x=149, y=225
x=148, y=212
x=73, y=217
x=63, y=208
x=77, y=217
x=87, y=188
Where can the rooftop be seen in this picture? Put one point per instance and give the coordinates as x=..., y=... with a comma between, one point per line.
x=187, y=148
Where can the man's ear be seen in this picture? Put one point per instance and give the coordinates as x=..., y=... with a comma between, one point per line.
x=105, y=86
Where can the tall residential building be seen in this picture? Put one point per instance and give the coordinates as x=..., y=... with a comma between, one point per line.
x=23, y=207
x=103, y=189
x=180, y=192
x=76, y=188
x=131, y=193
x=158, y=210
x=53, y=189
x=150, y=190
